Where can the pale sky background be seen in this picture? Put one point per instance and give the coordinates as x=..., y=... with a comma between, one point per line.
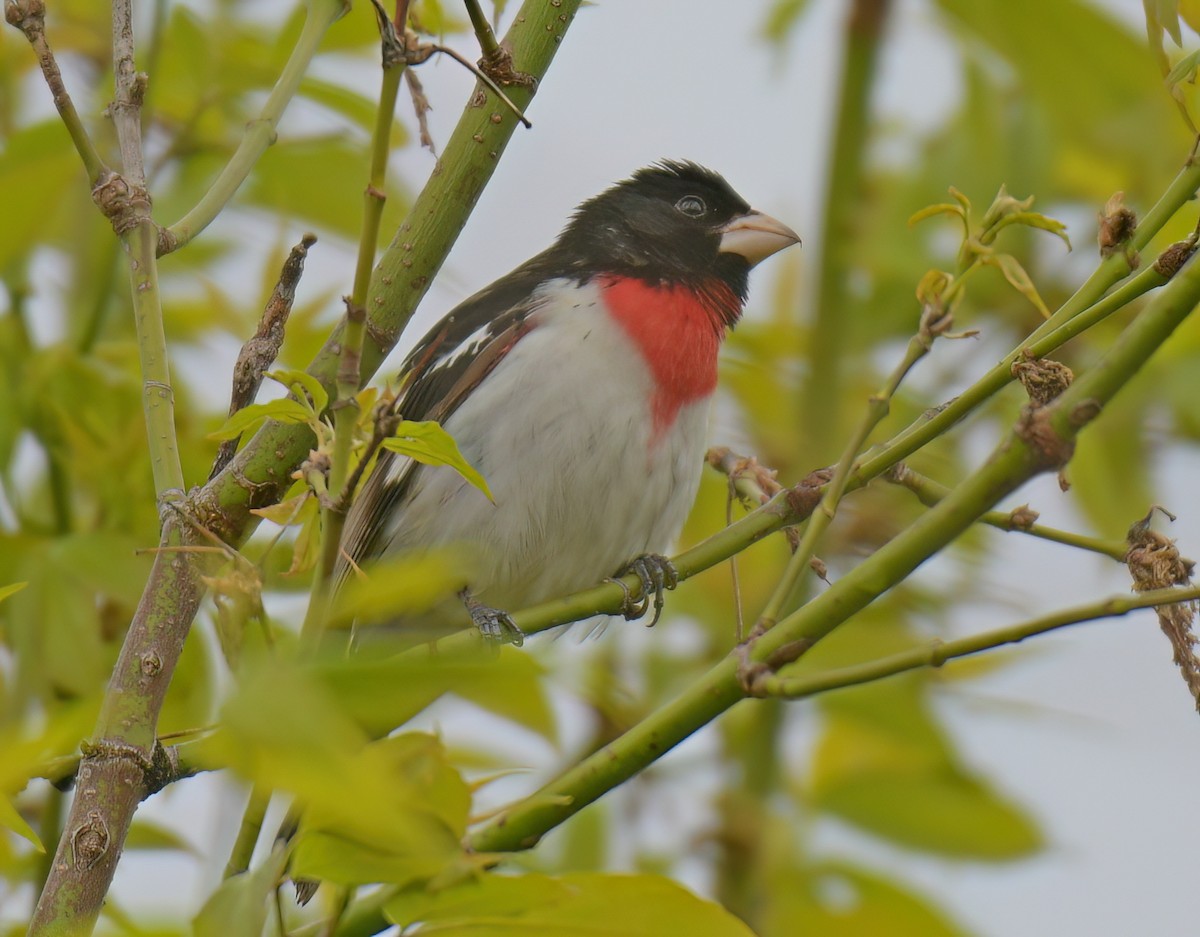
x=1109, y=767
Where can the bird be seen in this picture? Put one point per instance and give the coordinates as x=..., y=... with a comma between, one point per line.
x=579, y=385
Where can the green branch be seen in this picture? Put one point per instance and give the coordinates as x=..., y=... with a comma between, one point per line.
x=934, y=322
x=938, y=652
x=1073, y=318
x=838, y=237
x=126, y=202
x=29, y=16
x=1021, y=520
x=349, y=372
x=260, y=132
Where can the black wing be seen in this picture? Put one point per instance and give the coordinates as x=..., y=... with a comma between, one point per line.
x=445, y=366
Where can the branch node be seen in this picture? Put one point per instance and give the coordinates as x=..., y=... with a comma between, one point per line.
x=29, y=16
x=1171, y=260
x=803, y=497
x=1042, y=378
x=90, y=841
x=1037, y=431
x=1118, y=223
x=1023, y=517
x=500, y=68
x=124, y=205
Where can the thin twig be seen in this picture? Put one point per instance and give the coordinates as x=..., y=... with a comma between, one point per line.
x=1020, y=520
x=739, y=628
x=486, y=79
x=348, y=378
x=935, y=321
x=260, y=132
x=938, y=652
x=29, y=16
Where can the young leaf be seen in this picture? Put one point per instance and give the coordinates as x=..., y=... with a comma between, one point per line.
x=11, y=589
x=284, y=410
x=1035, y=219
x=1185, y=68
x=383, y=693
x=292, y=379
x=910, y=790
x=836, y=898
x=408, y=584
x=11, y=820
x=783, y=16
x=285, y=513
x=429, y=444
x=929, y=211
x=1016, y=275
x=565, y=906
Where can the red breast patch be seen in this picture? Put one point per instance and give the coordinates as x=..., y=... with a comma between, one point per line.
x=678, y=331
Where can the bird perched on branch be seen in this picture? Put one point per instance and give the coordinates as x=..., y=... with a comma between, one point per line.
x=579, y=385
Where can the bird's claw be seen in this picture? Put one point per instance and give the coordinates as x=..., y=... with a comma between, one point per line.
x=494, y=625
x=656, y=574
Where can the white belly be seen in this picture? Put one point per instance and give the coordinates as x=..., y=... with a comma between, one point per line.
x=562, y=431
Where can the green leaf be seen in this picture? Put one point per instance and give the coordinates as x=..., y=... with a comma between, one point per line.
x=54, y=626
x=284, y=410
x=915, y=795
x=11, y=820
x=355, y=107
x=782, y=18
x=579, y=905
x=1190, y=11
x=328, y=856
x=144, y=834
x=284, y=729
x=238, y=908
x=1185, y=68
x=1015, y=274
x=836, y=899
x=104, y=562
x=930, y=211
x=331, y=172
x=1053, y=48
x=11, y=589
x=39, y=175
x=383, y=693
x=295, y=381
x=437, y=801
x=1164, y=15
x=1033, y=219
x=405, y=584
x=429, y=444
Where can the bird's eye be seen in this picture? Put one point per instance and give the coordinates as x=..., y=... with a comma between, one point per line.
x=691, y=205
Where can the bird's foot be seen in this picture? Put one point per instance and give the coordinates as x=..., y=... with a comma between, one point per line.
x=656, y=574
x=496, y=626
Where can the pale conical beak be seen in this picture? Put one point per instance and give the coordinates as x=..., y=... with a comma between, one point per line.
x=756, y=237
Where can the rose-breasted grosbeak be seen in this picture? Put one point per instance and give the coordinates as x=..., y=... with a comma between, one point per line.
x=579, y=385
